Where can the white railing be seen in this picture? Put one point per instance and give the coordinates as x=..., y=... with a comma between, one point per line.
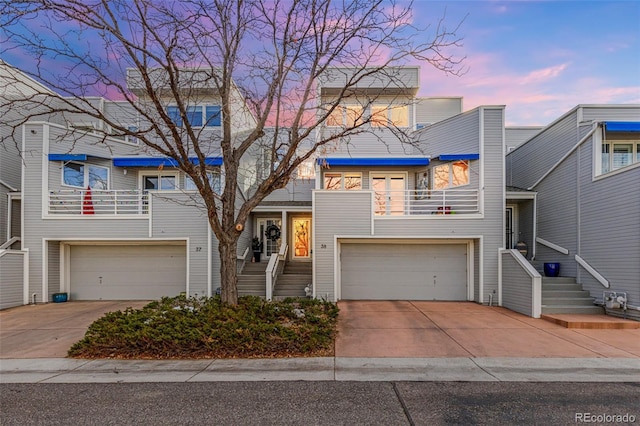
x=7, y=245
x=426, y=202
x=273, y=268
x=523, y=293
x=243, y=260
x=98, y=202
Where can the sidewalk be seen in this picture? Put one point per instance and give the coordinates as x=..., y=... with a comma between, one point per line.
x=61, y=370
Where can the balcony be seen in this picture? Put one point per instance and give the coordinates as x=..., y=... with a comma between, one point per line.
x=426, y=202
x=98, y=203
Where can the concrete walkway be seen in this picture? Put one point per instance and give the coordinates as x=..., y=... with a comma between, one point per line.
x=377, y=341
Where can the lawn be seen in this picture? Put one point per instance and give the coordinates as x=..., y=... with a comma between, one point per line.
x=181, y=328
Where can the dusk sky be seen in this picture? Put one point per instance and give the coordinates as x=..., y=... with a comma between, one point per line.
x=540, y=59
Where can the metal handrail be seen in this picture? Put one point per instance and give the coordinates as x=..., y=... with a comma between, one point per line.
x=426, y=202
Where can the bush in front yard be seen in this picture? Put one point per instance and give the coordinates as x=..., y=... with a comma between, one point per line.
x=183, y=327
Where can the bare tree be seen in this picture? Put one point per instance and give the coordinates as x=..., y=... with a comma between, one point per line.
x=268, y=56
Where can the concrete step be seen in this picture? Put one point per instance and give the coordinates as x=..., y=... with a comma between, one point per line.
x=558, y=280
x=565, y=293
x=565, y=287
x=572, y=309
x=565, y=301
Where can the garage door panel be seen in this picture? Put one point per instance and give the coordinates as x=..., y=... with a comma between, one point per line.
x=127, y=272
x=404, y=271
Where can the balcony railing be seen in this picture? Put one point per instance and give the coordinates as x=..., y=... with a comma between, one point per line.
x=97, y=202
x=426, y=202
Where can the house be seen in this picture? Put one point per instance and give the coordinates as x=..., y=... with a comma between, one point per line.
x=578, y=202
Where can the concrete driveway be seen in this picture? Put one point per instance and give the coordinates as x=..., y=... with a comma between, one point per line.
x=406, y=329
x=366, y=329
x=48, y=331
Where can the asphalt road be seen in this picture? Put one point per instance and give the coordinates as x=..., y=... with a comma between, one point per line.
x=317, y=403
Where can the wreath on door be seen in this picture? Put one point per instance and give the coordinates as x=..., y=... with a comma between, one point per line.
x=273, y=232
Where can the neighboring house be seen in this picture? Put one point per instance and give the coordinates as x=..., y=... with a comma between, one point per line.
x=574, y=198
x=516, y=135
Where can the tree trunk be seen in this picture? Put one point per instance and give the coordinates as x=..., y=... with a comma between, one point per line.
x=228, y=271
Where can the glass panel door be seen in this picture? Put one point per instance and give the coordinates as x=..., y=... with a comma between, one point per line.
x=389, y=194
x=301, y=238
x=268, y=246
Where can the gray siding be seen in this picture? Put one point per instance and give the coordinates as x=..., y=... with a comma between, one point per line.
x=548, y=147
x=346, y=213
x=169, y=214
x=557, y=216
x=432, y=110
x=609, y=232
x=516, y=136
x=296, y=190
x=16, y=219
x=3, y=214
x=516, y=286
x=53, y=263
x=11, y=279
x=456, y=135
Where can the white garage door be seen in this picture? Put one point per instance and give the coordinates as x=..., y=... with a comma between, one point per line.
x=403, y=271
x=127, y=272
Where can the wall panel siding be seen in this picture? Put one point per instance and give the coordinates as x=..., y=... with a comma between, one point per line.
x=457, y=135
x=557, y=216
x=11, y=279
x=609, y=228
x=346, y=214
x=547, y=147
x=433, y=110
x=169, y=213
x=516, y=286
x=53, y=251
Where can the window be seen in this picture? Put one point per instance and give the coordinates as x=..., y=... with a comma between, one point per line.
x=397, y=116
x=214, y=181
x=127, y=138
x=159, y=182
x=618, y=154
x=348, y=115
x=378, y=116
x=343, y=181
x=306, y=170
x=82, y=175
x=450, y=175
x=199, y=115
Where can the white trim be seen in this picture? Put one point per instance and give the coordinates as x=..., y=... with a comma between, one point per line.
x=616, y=172
x=9, y=187
x=565, y=156
x=45, y=269
x=96, y=217
x=313, y=252
x=516, y=195
x=595, y=274
x=45, y=171
x=209, y=264
x=159, y=173
x=468, y=241
x=85, y=174
x=551, y=245
x=500, y=251
x=278, y=209
x=150, y=213
x=188, y=268
x=61, y=269
x=25, y=277
x=482, y=161
x=10, y=198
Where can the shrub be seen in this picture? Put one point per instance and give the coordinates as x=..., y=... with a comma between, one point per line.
x=184, y=327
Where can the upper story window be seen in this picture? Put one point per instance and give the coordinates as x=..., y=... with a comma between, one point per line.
x=342, y=181
x=451, y=175
x=159, y=182
x=81, y=175
x=384, y=115
x=198, y=115
x=345, y=116
x=306, y=170
x=619, y=154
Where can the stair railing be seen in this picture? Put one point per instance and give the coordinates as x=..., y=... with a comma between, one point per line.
x=243, y=260
x=272, y=269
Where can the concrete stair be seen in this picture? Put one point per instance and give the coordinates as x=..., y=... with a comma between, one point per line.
x=252, y=280
x=562, y=295
x=294, y=278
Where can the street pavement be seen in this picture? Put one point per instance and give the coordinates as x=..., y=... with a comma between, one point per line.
x=319, y=403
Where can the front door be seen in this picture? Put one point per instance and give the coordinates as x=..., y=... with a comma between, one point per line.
x=269, y=246
x=301, y=238
x=389, y=193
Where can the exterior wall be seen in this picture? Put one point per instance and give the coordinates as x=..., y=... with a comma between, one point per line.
x=12, y=278
x=516, y=136
x=433, y=110
x=387, y=80
x=349, y=213
x=594, y=217
x=517, y=293
x=336, y=213
x=296, y=190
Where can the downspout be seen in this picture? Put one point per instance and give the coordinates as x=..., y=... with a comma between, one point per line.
x=535, y=227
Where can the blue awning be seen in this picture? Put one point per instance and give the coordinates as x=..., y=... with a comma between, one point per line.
x=622, y=126
x=348, y=161
x=160, y=161
x=68, y=157
x=458, y=157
